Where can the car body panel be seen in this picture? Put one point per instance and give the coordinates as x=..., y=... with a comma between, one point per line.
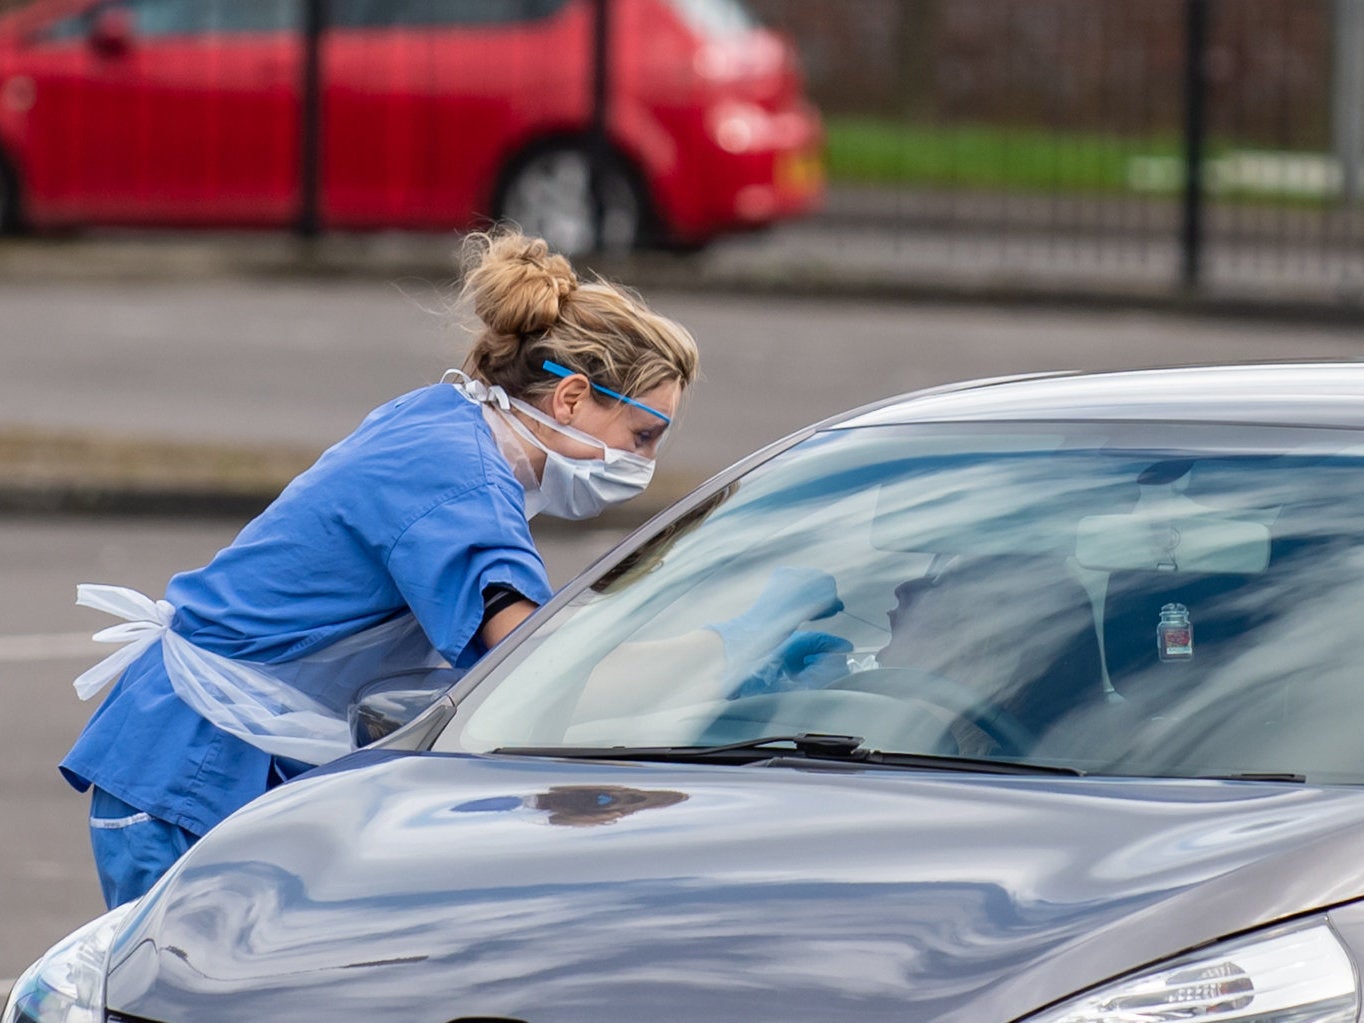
x=1289, y=394
x=91, y=144
x=419, y=123
x=436, y=887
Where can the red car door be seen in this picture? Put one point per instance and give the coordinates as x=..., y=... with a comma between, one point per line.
x=376, y=128
x=165, y=112
x=425, y=100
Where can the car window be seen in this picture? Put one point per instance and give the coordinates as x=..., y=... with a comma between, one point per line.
x=1118, y=599
x=195, y=17
x=716, y=19
x=154, y=18
x=400, y=13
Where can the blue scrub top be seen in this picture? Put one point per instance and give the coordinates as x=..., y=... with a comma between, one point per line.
x=416, y=510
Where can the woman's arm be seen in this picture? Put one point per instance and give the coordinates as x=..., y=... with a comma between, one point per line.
x=496, y=628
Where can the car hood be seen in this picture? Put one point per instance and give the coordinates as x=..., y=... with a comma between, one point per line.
x=433, y=887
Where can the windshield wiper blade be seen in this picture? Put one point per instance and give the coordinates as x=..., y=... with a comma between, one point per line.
x=807, y=744
x=817, y=746
x=980, y=765
x=1300, y=779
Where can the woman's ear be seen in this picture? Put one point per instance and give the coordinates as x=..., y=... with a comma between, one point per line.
x=570, y=392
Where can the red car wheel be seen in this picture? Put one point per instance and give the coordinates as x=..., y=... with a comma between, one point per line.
x=555, y=194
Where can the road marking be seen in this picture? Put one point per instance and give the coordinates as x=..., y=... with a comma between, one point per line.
x=53, y=646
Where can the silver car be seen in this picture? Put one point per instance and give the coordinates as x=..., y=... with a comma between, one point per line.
x=1037, y=700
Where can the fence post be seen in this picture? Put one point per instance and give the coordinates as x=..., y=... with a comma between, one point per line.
x=600, y=145
x=914, y=41
x=1347, y=94
x=310, y=118
x=1195, y=109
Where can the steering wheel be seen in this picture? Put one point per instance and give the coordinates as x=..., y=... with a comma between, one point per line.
x=1009, y=734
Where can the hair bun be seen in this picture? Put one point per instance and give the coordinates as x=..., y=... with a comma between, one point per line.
x=515, y=283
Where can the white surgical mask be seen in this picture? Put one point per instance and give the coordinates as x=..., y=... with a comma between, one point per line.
x=568, y=488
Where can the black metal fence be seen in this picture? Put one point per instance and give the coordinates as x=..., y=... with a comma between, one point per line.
x=1212, y=145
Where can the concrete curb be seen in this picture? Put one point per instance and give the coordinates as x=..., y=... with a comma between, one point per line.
x=49, y=472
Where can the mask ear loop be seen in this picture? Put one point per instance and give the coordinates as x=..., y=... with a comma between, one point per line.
x=495, y=396
x=497, y=399
x=609, y=454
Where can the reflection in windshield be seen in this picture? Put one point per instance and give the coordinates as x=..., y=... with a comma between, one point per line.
x=1115, y=598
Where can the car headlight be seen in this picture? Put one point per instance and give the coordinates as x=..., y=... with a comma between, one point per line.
x=67, y=984
x=1295, y=974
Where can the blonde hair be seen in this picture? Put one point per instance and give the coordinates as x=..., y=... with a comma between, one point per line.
x=534, y=308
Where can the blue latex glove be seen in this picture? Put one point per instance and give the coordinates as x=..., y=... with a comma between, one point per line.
x=807, y=660
x=791, y=597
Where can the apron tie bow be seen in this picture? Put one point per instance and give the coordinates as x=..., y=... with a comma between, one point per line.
x=144, y=622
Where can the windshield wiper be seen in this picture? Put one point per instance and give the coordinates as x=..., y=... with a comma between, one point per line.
x=809, y=744
x=978, y=765
x=846, y=749
x=1256, y=776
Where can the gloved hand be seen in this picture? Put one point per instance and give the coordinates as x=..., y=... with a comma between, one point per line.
x=791, y=597
x=807, y=660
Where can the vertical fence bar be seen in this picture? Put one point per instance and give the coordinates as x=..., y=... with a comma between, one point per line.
x=310, y=119
x=1347, y=129
x=1195, y=128
x=601, y=93
x=1347, y=93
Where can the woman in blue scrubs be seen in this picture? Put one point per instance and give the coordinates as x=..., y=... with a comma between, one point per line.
x=406, y=546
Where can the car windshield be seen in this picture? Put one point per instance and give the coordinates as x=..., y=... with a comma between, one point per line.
x=1116, y=598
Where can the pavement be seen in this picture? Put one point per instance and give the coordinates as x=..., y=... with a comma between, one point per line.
x=868, y=243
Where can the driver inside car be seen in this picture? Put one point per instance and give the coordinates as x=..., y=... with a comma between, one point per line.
x=763, y=649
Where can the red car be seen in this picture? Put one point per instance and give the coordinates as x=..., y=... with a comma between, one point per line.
x=435, y=114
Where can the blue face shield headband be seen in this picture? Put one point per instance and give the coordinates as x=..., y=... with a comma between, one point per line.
x=564, y=371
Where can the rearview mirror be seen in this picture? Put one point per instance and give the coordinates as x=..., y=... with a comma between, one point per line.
x=1188, y=543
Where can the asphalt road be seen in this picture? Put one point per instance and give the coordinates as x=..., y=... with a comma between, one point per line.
x=302, y=361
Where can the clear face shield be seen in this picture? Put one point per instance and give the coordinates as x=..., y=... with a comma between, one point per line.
x=568, y=488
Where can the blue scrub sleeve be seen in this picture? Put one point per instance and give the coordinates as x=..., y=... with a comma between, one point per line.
x=444, y=561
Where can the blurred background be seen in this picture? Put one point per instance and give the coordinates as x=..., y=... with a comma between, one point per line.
x=231, y=227
x=1174, y=145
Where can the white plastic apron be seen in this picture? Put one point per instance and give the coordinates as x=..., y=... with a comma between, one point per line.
x=296, y=709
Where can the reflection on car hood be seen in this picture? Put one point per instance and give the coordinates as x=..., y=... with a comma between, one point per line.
x=427, y=887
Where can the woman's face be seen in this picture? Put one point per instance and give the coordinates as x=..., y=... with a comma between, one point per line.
x=615, y=423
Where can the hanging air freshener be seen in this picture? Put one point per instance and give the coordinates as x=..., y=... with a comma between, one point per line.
x=1174, y=634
